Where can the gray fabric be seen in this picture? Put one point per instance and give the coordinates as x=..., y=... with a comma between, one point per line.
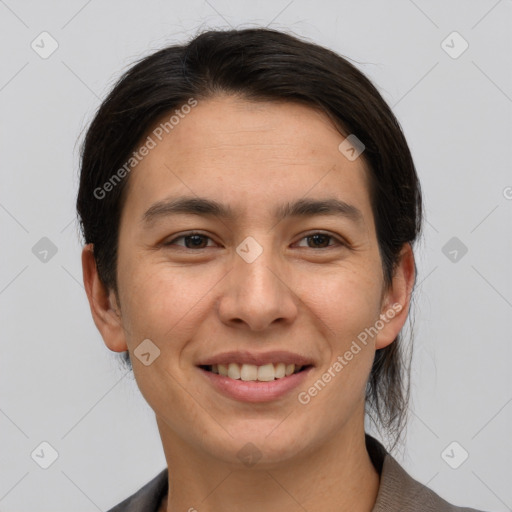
x=398, y=492
x=147, y=498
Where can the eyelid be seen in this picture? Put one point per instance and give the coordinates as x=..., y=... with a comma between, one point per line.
x=185, y=235
x=337, y=238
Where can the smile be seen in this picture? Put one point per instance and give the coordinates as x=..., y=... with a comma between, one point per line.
x=246, y=386
x=251, y=372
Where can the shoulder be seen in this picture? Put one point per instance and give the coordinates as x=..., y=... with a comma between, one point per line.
x=147, y=498
x=399, y=491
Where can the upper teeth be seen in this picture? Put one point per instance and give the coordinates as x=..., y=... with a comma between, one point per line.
x=266, y=372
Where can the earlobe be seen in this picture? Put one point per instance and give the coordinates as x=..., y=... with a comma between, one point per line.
x=103, y=304
x=396, y=303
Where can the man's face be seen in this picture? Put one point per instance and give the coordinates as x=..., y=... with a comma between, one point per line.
x=252, y=282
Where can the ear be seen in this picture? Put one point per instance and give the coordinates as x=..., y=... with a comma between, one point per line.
x=105, y=311
x=396, y=299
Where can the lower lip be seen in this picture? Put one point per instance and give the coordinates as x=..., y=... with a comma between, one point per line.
x=256, y=391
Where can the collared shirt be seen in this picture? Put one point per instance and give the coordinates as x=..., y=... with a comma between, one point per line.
x=398, y=491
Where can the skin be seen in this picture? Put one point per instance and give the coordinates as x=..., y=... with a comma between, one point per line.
x=304, y=295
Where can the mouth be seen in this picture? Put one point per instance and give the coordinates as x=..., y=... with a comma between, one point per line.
x=250, y=383
x=249, y=372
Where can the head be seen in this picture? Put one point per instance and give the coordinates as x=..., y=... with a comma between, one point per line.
x=252, y=120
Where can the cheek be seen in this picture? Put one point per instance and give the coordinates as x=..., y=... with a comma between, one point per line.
x=163, y=302
x=346, y=300
x=337, y=393
x=347, y=305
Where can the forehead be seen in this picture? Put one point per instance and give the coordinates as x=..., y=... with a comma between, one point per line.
x=252, y=155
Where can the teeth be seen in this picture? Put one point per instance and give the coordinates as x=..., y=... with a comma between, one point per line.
x=251, y=372
x=234, y=371
x=280, y=371
x=265, y=372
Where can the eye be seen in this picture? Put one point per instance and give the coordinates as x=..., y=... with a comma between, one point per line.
x=192, y=240
x=322, y=239
x=197, y=240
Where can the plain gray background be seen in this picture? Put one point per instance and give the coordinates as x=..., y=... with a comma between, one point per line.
x=59, y=383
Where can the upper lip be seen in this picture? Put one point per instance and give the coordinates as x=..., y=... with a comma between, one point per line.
x=258, y=359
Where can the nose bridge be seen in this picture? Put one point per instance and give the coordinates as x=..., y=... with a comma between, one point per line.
x=252, y=267
x=256, y=294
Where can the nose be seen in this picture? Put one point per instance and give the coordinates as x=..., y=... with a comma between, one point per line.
x=256, y=295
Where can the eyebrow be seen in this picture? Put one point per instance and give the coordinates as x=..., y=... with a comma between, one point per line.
x=209, y=208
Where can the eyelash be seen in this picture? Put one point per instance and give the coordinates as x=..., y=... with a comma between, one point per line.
x=309, y=235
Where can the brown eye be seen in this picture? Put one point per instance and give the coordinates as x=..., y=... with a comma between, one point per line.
x=320, y=240
x=192, y=241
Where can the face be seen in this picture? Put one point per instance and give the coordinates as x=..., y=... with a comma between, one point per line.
x=308, y=282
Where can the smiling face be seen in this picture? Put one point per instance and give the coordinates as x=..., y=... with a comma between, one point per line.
x=259, y=274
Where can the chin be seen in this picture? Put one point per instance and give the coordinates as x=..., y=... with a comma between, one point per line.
x=259, y=446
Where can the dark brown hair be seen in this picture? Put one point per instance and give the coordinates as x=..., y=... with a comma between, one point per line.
x=260, y=65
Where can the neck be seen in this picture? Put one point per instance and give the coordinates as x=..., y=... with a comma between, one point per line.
x=335, y=476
